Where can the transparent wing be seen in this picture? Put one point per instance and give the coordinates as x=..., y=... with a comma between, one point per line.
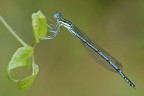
x=99, y=59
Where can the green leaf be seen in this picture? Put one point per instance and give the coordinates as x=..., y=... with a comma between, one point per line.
x=39, y=25
x=26, y=83
x=23, y=57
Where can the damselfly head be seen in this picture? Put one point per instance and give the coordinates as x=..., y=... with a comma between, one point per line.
x=58, y=15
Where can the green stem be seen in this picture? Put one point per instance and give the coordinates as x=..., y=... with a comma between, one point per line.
x=12, y=32
x=33, y=43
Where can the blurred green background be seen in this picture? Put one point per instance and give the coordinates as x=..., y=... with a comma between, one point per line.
x=66, y=69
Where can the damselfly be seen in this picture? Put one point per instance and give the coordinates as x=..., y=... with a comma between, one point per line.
x=99, y=54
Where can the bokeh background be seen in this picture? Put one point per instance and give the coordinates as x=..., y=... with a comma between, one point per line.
x=66, y=69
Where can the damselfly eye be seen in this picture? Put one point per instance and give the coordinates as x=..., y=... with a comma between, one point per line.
x=57, y=15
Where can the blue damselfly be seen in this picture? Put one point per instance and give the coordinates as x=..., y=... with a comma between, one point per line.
x=99, y=54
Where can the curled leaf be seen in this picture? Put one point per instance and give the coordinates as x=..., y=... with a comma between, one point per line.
x=23, y=57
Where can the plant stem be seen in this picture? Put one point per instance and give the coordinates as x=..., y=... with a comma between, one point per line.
x=12, y=31
x=33, y=43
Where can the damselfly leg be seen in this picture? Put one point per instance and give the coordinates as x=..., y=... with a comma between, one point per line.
x=54, y=29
